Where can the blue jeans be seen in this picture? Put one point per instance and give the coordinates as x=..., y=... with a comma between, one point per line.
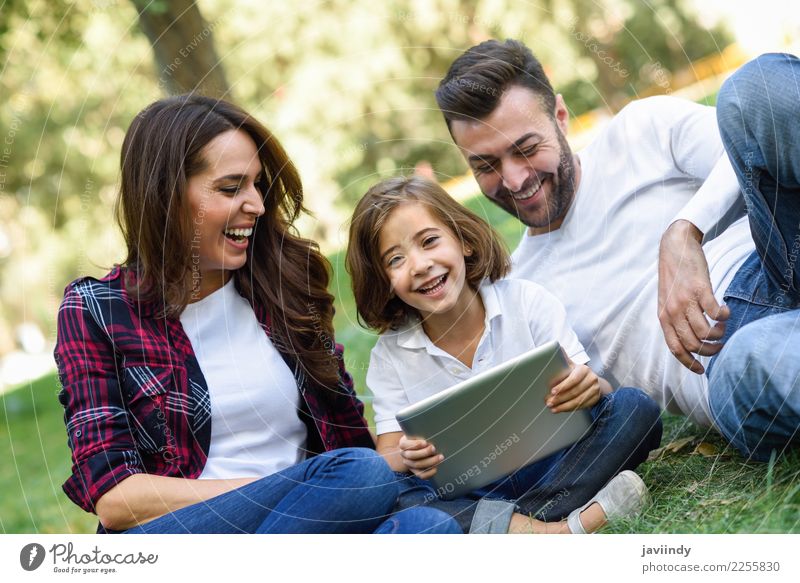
x=626, y=427
x=344, y=491
x=754, y=382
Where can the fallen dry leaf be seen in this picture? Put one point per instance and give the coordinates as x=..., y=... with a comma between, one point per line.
x=705, y=449
x=672, y=447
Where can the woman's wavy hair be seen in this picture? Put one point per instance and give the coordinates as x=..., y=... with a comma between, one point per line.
x=284, y=273
x=378, y=307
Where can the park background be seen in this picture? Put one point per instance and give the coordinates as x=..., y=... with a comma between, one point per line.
x=347, y=86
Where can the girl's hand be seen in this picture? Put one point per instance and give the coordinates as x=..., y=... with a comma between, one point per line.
x=581, y=389
x=419, y=456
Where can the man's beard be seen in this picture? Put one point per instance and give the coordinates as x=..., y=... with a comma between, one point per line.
x=557, y=201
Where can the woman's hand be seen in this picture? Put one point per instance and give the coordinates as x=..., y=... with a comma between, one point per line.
x=581, y=389
x=419, y=456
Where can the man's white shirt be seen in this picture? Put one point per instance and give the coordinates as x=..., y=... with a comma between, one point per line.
x=659, y=160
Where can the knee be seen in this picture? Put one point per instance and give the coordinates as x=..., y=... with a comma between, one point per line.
x=753, y=367
x=365, y=466
x=747, y=91
x=637, y=404
x=641, y=413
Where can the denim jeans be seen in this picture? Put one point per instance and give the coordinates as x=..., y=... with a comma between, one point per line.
x=754, y=382
x=344, y=491
x=626, y=427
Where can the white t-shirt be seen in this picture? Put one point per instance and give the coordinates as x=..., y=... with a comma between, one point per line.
x=406, y=367
x=660, y=159
x=255, y=430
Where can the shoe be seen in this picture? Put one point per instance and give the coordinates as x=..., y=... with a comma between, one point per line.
x=625, y=495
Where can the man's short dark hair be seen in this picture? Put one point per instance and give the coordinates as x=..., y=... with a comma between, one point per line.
x=478, y=78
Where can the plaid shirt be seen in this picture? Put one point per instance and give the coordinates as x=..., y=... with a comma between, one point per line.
x=135, y=399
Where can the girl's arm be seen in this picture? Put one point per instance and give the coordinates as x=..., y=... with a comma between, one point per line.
x=141, y=498
x=389, y=448
x=404, y=454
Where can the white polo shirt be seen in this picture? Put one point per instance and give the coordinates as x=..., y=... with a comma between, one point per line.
x=406, y=367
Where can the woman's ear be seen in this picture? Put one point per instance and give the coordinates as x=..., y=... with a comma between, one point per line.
x=467, y=251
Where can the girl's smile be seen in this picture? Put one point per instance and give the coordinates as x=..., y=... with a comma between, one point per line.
x=424, y=261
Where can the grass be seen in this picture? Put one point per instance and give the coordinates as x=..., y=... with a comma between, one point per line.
x=692, y=493
x=36, y=461
x=717, y=493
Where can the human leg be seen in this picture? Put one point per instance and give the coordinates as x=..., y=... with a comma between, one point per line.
x=419, y=520
x=755, y=386
x=346, y=490
x=757, y=111
x=415, y=493
x=626, y=427
x=752, y=384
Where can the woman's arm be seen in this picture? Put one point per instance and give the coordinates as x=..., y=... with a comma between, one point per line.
x=144, y=497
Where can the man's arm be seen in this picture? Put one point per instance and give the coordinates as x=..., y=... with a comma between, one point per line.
x=717, y=204
x=685, y=296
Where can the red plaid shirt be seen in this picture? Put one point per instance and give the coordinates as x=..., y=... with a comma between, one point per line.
x=135, y=399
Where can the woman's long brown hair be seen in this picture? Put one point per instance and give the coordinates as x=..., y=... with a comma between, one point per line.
x=284, y=273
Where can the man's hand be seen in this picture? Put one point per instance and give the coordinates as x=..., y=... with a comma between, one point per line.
x=580, y=389
x=685, y=297
x=419, y=456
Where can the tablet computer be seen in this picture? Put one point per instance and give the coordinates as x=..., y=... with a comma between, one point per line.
x=496, y=422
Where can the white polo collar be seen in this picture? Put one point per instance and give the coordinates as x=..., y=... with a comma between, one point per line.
x=413, y=336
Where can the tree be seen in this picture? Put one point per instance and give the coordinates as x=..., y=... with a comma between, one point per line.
x=183, y=47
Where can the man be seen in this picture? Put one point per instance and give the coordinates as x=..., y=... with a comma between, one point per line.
x=650, y=222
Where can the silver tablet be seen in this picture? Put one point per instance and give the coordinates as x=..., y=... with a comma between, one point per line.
x=496, y=422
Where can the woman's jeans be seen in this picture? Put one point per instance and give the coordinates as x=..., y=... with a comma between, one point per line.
x=626, y=427
x=754, y=382
x=343, y=491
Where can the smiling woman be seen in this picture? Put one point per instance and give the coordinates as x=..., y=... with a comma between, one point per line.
x=199, y=377
x=225, y=200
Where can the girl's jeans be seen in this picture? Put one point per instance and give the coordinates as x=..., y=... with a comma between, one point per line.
x=626, y=427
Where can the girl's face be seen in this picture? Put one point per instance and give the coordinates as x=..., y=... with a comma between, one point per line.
x=423, y=260
x=225, y=203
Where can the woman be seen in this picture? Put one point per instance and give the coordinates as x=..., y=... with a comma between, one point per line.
x=200, y=377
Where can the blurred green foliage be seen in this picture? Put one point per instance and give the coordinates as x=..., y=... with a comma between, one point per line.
x=347, y=85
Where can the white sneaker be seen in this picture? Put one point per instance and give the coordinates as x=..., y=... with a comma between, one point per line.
x=625, y=495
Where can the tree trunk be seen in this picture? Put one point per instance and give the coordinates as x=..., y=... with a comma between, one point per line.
x=183, y=46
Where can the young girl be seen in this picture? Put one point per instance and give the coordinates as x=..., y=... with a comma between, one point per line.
x=427, y=276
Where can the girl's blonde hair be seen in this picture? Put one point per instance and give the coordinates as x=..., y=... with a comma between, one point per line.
x=378, y=308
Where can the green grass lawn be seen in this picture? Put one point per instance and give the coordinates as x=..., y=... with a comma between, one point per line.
x=700, y=488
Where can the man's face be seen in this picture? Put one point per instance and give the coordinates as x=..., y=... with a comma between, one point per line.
x=520, y=158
